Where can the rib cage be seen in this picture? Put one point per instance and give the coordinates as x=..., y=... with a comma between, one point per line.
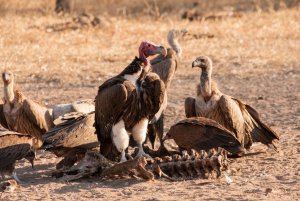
x=203, y=165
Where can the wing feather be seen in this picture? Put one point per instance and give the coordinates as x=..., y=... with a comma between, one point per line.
x=3, y=121
x=77, y=132
x=38, y=115
x=231, y=116
x=189, y=105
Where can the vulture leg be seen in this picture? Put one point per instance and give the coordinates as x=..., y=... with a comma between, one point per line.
x=14, y=175
x=156, y=129
x=139, y=133
x=120, y=138
x=152, y=134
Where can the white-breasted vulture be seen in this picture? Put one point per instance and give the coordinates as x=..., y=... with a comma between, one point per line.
x=15, y=146
x=73, y=135
x=22, y=114
x=201, y=133
x=233, y=114
x=112, y=100
x=165, y=67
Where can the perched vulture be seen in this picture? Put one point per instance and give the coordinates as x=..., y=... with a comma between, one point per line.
x=22, y=114
x=111, y=99
x=71, y=137
x=15, y=146
x=2, y=117
x=165, y=67
x=234, y=115
x=201, y=133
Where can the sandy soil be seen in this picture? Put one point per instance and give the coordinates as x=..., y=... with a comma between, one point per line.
x=256, y=59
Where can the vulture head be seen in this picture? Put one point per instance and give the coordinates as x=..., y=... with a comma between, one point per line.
x=203, y=62
x=147, y=49
x=31, y=157
x=7, y=77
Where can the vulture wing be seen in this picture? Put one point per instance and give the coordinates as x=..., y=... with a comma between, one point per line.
x=13, y=146
x=165, y=67
x=157, y=94
x=189, y=105
x=109, y=103
x=204, y=134
x=231, y=116
x=77, y=132
x=38, y=115
x=259, y=131
x=3, y=121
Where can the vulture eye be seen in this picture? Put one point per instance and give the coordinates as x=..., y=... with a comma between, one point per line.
x=148, y=45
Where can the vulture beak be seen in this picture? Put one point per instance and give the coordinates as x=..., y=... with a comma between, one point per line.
x=196, y=63
x=160, y=50
x=6, y=77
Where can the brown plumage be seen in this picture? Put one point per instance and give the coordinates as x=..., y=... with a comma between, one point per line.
x=2, y=117
x=200, y=133
x=72, y=137
x=113, y=96
x=22, y=114
x=234, y=115
x=165, y=67
x=15, y=146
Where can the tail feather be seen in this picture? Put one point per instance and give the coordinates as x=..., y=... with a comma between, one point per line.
x=261, y=133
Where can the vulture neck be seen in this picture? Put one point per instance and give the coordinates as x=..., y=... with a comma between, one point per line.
x=173, y=42
x=9, y=92
x=205, y=83
x=133, y=71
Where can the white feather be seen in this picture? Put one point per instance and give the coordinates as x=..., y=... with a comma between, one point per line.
x=120, y=136
x=134, y=77
x=139, y=131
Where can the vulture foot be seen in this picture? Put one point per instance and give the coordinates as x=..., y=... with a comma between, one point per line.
x=123, y=157
x=14, y=175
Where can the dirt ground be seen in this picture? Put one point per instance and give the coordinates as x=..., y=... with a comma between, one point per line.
x=256, y=59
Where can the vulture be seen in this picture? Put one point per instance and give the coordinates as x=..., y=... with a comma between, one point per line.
x=22, y=114
x=113, y=95
x=165, y=67
x=73, y=135
x=233, y=114
x=15, y=146
x=201, y=133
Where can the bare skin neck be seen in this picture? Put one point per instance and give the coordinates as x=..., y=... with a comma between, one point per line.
x=205, y=83
x=9, y=92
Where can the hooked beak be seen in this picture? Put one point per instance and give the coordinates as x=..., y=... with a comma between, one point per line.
x=159, y=50
x=196, y=63
x=6, y=77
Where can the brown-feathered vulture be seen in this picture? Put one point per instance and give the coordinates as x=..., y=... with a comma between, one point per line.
x=201, y=133
x=234, y=115
x=165, y=67
x=113, y=95
x=73, y=135
x=22, y=114
x=15, y=146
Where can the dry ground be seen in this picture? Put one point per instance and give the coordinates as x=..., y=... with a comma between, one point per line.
x=256, y=58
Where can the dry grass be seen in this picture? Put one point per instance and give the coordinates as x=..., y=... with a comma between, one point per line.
x=253, y=44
